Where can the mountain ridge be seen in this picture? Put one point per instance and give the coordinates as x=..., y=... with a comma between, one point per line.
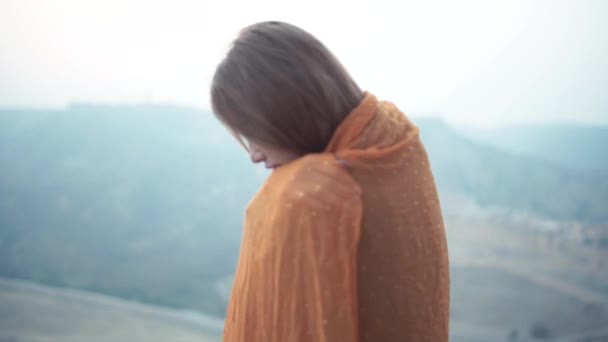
x=100, y=199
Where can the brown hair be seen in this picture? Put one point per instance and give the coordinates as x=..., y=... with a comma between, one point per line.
x=280, y=85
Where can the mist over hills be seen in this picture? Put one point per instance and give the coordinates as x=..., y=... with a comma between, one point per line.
x=572, y=146
x=145, y=202
x=505, y=178
x=100, y=198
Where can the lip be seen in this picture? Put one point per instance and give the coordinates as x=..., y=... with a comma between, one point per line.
x=272, y=166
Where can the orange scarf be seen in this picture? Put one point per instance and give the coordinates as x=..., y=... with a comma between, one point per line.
x=346, y=254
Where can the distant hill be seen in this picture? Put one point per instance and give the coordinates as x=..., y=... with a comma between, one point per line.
x=573, y=146
x=496, y=177
x=145, y=202
x=100, y=197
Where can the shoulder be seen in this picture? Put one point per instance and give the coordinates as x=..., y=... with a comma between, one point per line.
x=316, y=181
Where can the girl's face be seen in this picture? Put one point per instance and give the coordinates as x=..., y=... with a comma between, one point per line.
x=272, y=156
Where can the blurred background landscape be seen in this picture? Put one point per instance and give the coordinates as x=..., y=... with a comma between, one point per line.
x=144, y=203
x=120, y=213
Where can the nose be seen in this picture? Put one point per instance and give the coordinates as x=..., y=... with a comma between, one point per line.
x=256, y=156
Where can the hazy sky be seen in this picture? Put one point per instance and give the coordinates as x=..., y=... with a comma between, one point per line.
x=478, y=62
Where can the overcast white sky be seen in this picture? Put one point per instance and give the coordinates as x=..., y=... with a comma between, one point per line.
x=475, y=62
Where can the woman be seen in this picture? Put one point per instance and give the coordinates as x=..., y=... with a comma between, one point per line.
x=345, y=240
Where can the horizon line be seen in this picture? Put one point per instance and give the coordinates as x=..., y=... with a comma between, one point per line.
x=414, y=113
